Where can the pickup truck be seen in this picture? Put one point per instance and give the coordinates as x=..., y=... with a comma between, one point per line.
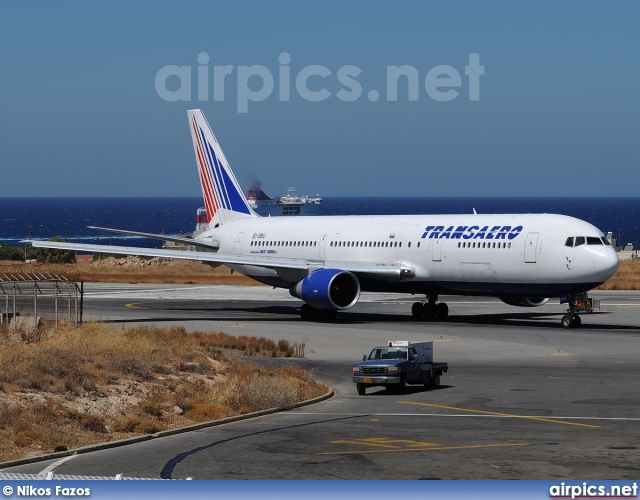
x=397, y=364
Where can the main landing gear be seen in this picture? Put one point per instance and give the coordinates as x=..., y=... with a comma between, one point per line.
x=308, y=313
x=430, y=309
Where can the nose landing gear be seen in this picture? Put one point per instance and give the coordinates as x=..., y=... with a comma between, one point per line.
x=577, y=303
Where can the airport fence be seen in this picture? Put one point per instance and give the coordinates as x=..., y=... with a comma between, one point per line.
x=34, y=295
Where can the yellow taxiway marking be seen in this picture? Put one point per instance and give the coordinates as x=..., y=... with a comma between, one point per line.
x=433, y=447
x=484, y=412
x=385, y=443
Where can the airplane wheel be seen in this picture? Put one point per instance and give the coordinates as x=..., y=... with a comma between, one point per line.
x=442, y=310
x=430, y=311
x=567, y=321
x=306, y=311
x=417, y=310
x=317, y=314
x=322, y=315
x=330, y=315
x=576, y=321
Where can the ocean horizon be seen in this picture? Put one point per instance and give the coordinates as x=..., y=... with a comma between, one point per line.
x=69, y=217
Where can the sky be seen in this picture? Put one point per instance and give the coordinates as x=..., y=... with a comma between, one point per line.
x=361, y=98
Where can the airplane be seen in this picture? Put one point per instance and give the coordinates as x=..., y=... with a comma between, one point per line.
x=327, y=261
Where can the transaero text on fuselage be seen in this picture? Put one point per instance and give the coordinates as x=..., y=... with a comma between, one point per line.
x=472, y=232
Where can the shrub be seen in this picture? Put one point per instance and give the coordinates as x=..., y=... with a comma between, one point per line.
x=208, y=411
x=8, y=252
x=263, y=393
x=24, y=439
x=149, y=427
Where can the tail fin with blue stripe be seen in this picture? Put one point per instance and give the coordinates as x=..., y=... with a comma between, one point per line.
x=222, y=194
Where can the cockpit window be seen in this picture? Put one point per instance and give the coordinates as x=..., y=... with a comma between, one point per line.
x=581, y=240
x=605, y=241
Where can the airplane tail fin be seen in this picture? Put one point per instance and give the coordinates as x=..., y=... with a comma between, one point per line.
x=223, y=197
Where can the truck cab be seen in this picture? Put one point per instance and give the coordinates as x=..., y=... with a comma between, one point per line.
x=397, y=364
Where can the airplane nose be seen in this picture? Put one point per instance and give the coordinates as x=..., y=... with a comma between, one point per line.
x=606, y=264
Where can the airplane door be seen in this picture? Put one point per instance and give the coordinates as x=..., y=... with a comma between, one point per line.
x=530, y=248
x=436, y=254
x=323, y=240
x=239, y=243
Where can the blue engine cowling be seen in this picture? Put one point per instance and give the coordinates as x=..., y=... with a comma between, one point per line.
x=328, y=289
x=525, y=301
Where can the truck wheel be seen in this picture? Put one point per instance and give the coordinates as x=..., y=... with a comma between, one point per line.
x=401, y=386
x=435, y=381
x=362, y=389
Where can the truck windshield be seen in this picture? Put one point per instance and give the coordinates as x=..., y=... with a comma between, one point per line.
x=388, y=353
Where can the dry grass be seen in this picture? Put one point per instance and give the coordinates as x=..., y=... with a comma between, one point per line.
x=627, y=277
x=95, y=383
x=158, y=270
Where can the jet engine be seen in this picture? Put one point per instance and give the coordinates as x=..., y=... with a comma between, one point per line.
x=524, y=301
x=328, y=289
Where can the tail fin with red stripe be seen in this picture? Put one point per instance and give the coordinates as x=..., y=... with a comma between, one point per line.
x=222, y=194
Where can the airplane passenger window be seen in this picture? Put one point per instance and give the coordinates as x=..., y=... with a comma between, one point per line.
x=579, y=240
x=592, y=240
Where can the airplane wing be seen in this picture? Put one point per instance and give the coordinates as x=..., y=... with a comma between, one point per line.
x=268, y=262
x=162, y=237
x=386, y=270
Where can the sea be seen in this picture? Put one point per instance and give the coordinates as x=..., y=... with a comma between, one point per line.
x=42, y=218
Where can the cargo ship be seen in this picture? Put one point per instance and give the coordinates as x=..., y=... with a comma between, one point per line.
x=289, y=204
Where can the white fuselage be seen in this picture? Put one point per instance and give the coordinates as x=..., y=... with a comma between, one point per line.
x=499, y=255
